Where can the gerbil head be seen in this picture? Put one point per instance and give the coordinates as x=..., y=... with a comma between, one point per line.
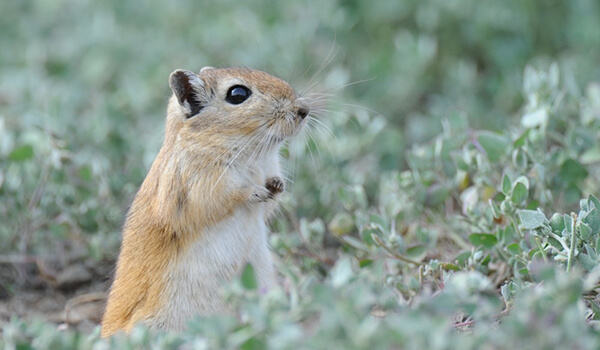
x=228, y=104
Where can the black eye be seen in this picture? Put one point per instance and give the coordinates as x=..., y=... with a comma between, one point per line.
x=237, y=94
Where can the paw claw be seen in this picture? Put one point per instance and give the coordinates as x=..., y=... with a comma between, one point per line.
x=275, y=185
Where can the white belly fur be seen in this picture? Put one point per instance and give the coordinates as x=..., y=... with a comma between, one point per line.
x=194, y=281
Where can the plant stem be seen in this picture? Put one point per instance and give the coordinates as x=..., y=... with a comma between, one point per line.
x=559, y=239
x=537, y=241
x=380, y=243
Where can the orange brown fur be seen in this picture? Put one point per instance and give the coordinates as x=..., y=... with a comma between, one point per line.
x=187, y=191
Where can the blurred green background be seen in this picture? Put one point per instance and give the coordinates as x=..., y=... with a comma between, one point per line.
x=83, y=91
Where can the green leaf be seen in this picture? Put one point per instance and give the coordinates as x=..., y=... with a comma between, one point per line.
x=365, y=263
x=592, y=219
x=532, y=205
x=506, y=292
x=571, y=171
x=249, y=277
x=583, y=204
x=486, y=260
x=519, y=159
x=509, y=233
x=590, y=251
x=585, y=231
x=85, y=173
x=522, y=179
x=506, y=184
x=520, y=142
x=355, y=243
x=495, y=209
x=592, y=199
x=531, y=219
x=367, y=233
x=341, y=272
x=22, y=153
x=463, y=256
x=568, y=224
x=523, y=271
x=22, y=346
x=514, y=249
x=519, y=193
x=379, y=220
x=555, y=243
x=557, y=222
x=436, y=195
x=449, y=266
x=417, y=252
x=483, y=239
x=254, y=343
x=494, y=144
x=535, y=255
x=587, y=262
x=341, y=224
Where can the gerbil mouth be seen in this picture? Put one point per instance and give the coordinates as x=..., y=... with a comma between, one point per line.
x=282, y=135
x=282, y=130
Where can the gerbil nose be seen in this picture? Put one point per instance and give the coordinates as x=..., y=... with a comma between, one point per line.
x=303, y=109
x=302, y=112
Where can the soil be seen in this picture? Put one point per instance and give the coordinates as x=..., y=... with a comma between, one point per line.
x=70, y=296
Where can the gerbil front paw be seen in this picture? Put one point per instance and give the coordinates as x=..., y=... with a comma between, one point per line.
x=260, y=194
x=275, y=184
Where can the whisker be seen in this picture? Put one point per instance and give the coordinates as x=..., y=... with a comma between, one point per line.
x=310, y=152
x=285, y=165
x=261, y=136
x=317, y=100
x=343, y=86
x=329, y=58
x=362, y=108
x=296, y=148
x=346, y=116
x=231, y=161
x=243, y=147
x=312, y=136
x=239, y=142
x=319, y=124
x=264, y=145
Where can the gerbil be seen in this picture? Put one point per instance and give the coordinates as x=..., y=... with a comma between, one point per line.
x=200, y=214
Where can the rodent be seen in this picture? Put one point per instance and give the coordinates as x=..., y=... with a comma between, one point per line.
x=200, y=214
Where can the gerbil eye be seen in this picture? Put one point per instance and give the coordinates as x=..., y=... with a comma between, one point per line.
x=237, y=94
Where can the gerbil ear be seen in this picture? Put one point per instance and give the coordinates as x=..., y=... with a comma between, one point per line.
x=189, y=90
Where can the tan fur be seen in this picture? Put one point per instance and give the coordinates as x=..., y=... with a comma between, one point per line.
x=204, y=173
